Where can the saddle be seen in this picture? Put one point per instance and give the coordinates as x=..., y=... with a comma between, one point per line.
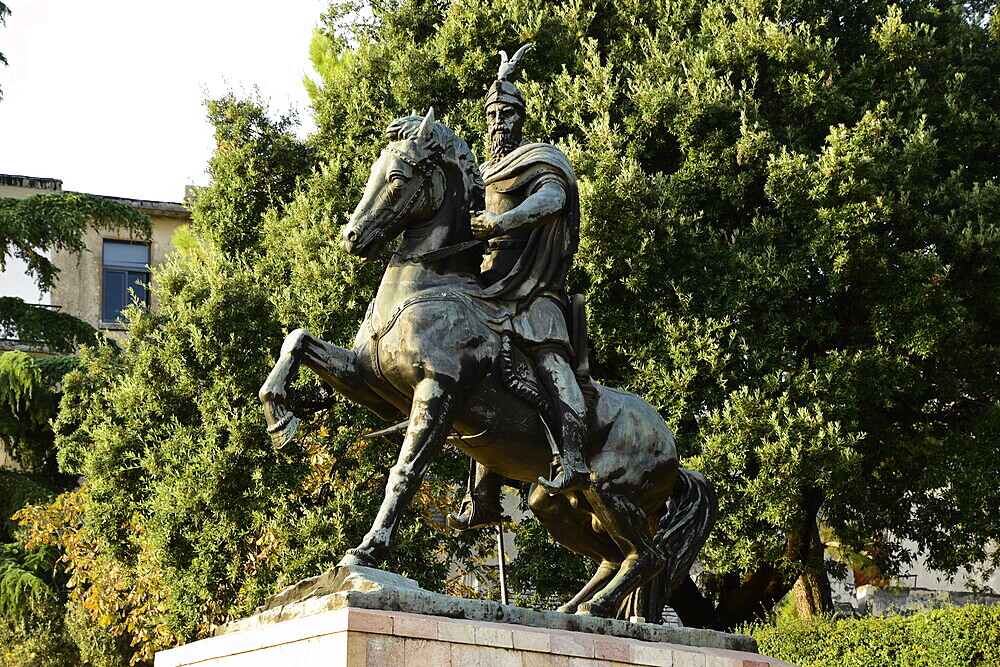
x=514, y=363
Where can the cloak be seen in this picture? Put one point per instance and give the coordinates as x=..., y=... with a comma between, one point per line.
x=548, y=253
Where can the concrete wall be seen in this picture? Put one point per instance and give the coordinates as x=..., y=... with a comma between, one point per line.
x=907, y=600
x=79, y=288
x=19, y=187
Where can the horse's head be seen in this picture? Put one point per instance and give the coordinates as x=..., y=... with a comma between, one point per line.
x=408, y=183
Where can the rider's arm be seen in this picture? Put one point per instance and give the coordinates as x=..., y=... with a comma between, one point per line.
x=535, y=210
x=542, y=204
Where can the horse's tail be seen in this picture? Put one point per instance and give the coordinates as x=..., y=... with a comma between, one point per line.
x=690, y=515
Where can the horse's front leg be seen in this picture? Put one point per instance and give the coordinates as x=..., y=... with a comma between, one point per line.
x=430, y=423
x=335, y=365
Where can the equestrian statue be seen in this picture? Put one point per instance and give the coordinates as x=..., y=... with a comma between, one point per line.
x=473, y=337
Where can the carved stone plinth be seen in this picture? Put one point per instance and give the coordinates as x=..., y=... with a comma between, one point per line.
x=366, y=637
x=340, y=623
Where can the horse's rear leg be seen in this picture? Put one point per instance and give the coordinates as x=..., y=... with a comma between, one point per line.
x=627, y=524
x=430, y=423
x=335, y=365
x=572, y=526
x=606, y=571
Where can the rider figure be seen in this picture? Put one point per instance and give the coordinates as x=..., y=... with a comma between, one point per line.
x=532, y=222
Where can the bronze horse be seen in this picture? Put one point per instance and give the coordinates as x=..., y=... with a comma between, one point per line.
x=428, y=348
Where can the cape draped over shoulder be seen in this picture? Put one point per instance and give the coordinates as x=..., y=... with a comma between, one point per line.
x=546, y=259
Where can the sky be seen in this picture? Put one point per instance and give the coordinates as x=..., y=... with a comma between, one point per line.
x=108, y=95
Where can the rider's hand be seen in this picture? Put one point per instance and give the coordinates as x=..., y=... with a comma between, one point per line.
x=486, y=225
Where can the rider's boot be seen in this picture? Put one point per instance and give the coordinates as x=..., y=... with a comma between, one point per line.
x=480, y=506
x=573, y=471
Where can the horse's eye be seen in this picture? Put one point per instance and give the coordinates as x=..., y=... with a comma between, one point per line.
x=396, y=178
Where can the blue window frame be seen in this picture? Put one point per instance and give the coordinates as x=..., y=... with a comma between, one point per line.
x=126, y=267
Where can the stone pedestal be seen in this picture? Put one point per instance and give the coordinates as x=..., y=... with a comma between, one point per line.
x=355, y=616
x=367, y=638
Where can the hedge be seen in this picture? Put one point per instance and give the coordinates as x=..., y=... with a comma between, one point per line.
x=957, y=636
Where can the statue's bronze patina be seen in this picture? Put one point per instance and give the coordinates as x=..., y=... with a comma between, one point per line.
x=490, y=356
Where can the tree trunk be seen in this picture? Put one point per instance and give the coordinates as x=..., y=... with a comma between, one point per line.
x=749, y=598
x=813, y=596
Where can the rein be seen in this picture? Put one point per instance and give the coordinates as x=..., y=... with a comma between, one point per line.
x=434, y=255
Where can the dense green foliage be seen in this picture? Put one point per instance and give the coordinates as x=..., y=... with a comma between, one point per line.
x=28, y=402
x=259, y=160
x=787, y=246
x=954, y=637
x=41, y=327
x=37, y=624
x=31, y=229
x=53, y=634
x=543, y=571
x=16, y=491
x=787, y=242
x=24, y=575
x=36, y=638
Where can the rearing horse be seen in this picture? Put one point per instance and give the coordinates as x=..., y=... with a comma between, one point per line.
x=428, y=348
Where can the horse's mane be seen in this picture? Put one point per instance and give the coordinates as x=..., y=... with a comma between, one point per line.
x=453, y=148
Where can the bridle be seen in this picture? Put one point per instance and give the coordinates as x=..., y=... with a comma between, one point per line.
x=399, y=258
x=424, y=166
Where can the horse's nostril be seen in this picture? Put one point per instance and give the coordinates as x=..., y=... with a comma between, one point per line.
x=352, y=236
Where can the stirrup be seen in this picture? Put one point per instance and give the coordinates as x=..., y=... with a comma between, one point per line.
x=470, y=517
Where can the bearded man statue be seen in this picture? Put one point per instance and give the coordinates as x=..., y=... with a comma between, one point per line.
x=531, y=223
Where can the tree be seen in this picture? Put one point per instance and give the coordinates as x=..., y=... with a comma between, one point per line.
x=787, y=246
x=30, y=228
x=37, y=625
x=259, y=160
x=4, y=12
x=798, y=196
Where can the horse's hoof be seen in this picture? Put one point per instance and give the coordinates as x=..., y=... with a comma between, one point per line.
x=356, y=557
x=592, y=609
x=282, y=432
x=567, y=609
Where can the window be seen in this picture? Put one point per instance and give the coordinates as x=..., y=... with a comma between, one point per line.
x=125, y=267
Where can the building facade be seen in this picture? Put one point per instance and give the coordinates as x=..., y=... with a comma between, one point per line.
x=97, y=284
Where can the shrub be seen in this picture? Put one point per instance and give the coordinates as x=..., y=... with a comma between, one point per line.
x=957, y=636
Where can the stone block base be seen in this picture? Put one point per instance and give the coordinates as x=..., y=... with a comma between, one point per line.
x=355, y=637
